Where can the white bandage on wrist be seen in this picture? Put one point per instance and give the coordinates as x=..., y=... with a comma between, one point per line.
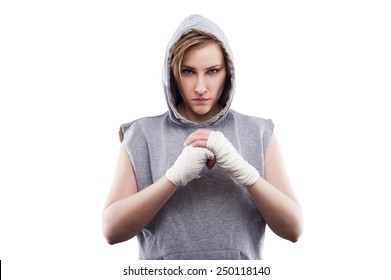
x=188, y=165
x=229, y=159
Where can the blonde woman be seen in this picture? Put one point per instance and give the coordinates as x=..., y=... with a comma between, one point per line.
x=201, y=181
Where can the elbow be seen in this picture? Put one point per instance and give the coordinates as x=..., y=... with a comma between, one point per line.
x=113, y=236
x=109, y=229
x=110, y=241
x=296, y=232
x=114, y=231
x=109, y=234
x=296, y=227
x=294, y=237
x=291, y=230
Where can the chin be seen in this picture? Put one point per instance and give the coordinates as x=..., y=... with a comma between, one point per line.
x=201, y=112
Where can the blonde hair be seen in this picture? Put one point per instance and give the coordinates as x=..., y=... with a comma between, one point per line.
x=188, y=41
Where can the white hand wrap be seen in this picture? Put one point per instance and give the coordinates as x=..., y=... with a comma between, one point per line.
x=188, y=165
x=230, y=160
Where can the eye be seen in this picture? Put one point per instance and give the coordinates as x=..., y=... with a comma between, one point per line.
x=186, y=71
x=213, y=71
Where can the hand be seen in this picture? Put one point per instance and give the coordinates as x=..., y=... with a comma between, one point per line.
x=226, y=155
x=199, y=138
x=188, y=165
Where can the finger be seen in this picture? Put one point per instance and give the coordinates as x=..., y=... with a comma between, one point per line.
x=201, y=134
x=202, y=131
x=194, y=138
x=198, y=143
x=210, y=163
x=209, y=154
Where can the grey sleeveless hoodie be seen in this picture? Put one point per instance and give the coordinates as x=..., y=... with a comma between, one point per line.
x=210, y=217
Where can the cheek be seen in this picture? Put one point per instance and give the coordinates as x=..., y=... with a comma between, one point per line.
x=184, y=87
x=218, y=85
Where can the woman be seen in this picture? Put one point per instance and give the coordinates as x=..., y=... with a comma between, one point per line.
x=200, y=181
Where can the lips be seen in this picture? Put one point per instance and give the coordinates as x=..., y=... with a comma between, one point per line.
x=201, y=100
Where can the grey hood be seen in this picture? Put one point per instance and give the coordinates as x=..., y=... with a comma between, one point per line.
x=197, y=22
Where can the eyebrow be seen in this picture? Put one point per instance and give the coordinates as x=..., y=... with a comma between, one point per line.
x=208, y=68
x=188, y=67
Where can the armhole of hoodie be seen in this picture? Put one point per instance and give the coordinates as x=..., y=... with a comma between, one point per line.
x=267, y=135
x=123, y=136
x=122, y=131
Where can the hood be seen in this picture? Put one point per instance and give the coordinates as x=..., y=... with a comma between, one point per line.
x=197, y=22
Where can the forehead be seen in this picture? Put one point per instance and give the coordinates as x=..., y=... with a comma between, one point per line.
x=205, y=54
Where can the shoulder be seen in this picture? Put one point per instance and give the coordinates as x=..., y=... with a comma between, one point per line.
x=253, y=121
x=140, y=125
x=252, y=127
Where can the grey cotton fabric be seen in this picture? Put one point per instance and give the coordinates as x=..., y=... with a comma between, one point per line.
x=211, y=217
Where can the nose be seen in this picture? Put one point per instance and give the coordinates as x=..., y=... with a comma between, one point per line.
x=200, y=87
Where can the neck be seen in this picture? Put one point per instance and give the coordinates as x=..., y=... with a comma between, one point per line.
x=197, y=118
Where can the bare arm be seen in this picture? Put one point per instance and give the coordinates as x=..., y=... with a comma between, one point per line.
x=275, y=198
x=128, y=211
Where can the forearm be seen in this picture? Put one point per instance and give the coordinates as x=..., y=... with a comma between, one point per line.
x=282, y=213
x=125, y=218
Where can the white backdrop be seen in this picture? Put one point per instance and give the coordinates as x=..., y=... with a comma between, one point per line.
x=72, y=71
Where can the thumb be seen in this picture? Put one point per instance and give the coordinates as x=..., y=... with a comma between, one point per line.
x=209, y=154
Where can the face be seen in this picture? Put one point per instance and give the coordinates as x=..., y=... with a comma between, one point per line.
x=203, y=77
